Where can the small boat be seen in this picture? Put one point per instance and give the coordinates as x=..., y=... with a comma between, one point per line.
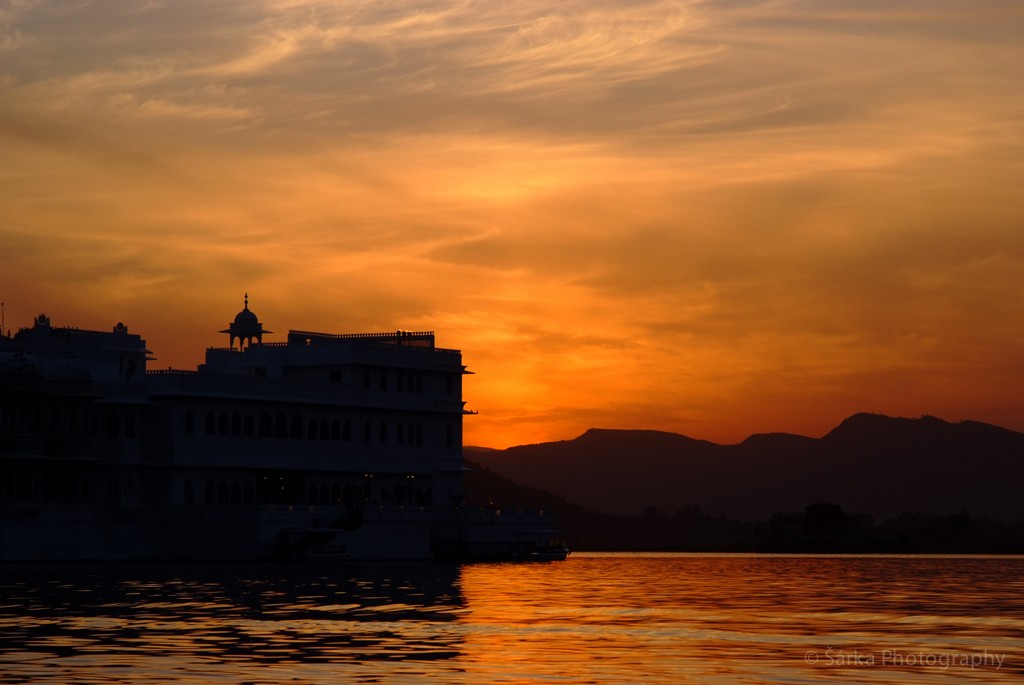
x=554, y=552
x=310, y=544
x=329, y=552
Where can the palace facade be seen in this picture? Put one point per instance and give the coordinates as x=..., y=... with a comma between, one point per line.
x=343, y=444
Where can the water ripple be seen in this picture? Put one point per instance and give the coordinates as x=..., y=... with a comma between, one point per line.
x=595, y=619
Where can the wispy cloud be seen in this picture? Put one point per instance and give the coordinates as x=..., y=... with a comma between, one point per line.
x=702, y=216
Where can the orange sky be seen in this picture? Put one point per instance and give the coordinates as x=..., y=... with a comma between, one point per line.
x=714, y=218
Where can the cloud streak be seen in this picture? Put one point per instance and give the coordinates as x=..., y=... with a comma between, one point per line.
x=711, y=217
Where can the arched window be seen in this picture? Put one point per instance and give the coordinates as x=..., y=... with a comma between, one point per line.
x=346, y=432
x=325, y=430
x=314, y=432
x=189, y=496
x=236, y=492
x=211, y=424
x=265, y=429
x=247, y=493
x=281, y=426
x=312, y=494
x=247, y=425
x=129, y=426
x=222, y=492
x=367, y=431
x=211, y=492
x=325, y=494
x=335, y=430
x=296, y=426
x=383, y=432
x=113, y=426
x=236, y=424
x=401, y=434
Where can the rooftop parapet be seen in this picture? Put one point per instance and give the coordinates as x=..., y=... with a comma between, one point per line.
x=404, y=338
x=419, y=339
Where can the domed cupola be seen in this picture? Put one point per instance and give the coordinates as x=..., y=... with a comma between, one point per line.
x=246, y=328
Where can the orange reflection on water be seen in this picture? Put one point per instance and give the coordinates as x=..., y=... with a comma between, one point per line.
x=693, y=618
x=609, y=618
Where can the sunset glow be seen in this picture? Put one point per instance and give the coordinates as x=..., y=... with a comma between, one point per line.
x=712, y=218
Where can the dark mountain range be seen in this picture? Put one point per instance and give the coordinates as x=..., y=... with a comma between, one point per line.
x=874, y=464
x=588, y=530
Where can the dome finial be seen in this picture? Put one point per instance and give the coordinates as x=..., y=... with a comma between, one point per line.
x=246, y=327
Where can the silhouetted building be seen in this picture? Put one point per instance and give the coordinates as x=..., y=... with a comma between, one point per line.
x=343, y=445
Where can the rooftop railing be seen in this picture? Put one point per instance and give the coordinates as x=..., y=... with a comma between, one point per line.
x=412, y=338
x=422, y=340
x=171, y=372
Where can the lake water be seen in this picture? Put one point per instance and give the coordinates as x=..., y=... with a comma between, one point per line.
x=596, y=618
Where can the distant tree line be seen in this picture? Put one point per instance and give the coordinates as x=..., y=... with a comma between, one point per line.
x=821, y=527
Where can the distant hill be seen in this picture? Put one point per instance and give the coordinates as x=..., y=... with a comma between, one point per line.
x=486, y=489
x=587, y=530
x=869, y=463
